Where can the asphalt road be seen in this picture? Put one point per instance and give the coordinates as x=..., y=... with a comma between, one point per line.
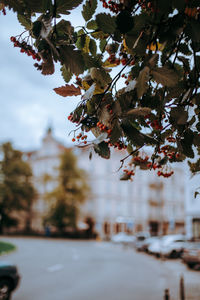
x=53, y=269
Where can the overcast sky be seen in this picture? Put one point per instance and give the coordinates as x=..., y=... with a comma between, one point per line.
x=28, y=102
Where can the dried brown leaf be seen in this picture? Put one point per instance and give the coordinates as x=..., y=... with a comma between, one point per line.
x=68, y=90
x=139, y=111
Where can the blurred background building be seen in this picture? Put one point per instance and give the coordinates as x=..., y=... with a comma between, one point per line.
x=148, y=203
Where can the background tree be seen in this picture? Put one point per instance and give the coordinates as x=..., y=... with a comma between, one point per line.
x=153, y=46
x=16, y=190
x=72, y=190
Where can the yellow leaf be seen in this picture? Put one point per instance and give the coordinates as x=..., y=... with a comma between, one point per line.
x=85, y=85
x=107, y=64
x=98, y=90
x=86, y=46
x=155, y=46
x=124, y=44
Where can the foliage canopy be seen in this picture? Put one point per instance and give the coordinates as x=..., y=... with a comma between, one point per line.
x=71, y=191
x=16, y=189
x=136, y=66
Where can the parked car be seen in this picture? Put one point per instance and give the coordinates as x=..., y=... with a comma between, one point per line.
x=154, y=247
x=169, y=246
x=172, y=246
x=191, y=255
x=123, y=238
x=9, y=279
x=145, y=244
x=141, y=237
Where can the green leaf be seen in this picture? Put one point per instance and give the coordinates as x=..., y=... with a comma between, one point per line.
x=93, y=47
x=187, y=143
x=133, y=135
x=192, y=30
x=103, y=150
x=165, y=76
x=102, y=45
x=116, y=132
x=37, y=6
x=15, y=5
x=66, y=74
x=90, y=61
x=179, y=116
x=179, y=4
x=92, y=25
x=24, y=21
x=64, y=5
x=185, y=61
x=100, y=76
x=196, y=140
x=142, y=85
x=64, y=28
x=90, y=107
x=124, y=21
x=184, y=49
x=106, y=23
x=80, y=43
x=89, y=9
x=72, y=59
x=36, y=28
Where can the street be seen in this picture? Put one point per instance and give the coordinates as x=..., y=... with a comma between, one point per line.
x=60, y=269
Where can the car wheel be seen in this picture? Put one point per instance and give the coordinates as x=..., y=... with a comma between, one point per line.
x=174, y=254
x=5, y=289
x=197, y=267
x=190, y=265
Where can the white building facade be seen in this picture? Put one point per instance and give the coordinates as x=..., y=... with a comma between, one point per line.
x=192, y=207
x=148, y=203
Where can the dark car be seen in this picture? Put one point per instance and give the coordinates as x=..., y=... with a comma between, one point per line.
x=9, y=279
x=191, y=255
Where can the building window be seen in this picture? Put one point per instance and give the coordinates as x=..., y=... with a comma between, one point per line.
x=196, y=228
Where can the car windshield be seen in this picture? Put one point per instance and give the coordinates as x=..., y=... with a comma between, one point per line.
x=169, y=239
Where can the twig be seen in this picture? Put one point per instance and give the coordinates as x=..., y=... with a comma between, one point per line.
x=132, y=152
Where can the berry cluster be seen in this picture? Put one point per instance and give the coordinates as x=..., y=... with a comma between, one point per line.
x=113, y=60
x=128, y=78
x=191, y=11
x=71, y=118
x=109, y=108
x=25, y=48
x=153, y=166
x=104, y=128
x=165, y=174
x=129, y=172
x=155, y=124
x=37, y=66
x=148, y=6
x=167, y=152
x=79, y=137
x=145, y=4
x=171, y=139
x=113, y=6
x=139, y=159
x=119, y=145
x=124, y=58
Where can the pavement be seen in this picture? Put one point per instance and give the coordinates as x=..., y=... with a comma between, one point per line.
x=60, y=269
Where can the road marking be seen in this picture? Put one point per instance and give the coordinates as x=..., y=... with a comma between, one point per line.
x=54, y=268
